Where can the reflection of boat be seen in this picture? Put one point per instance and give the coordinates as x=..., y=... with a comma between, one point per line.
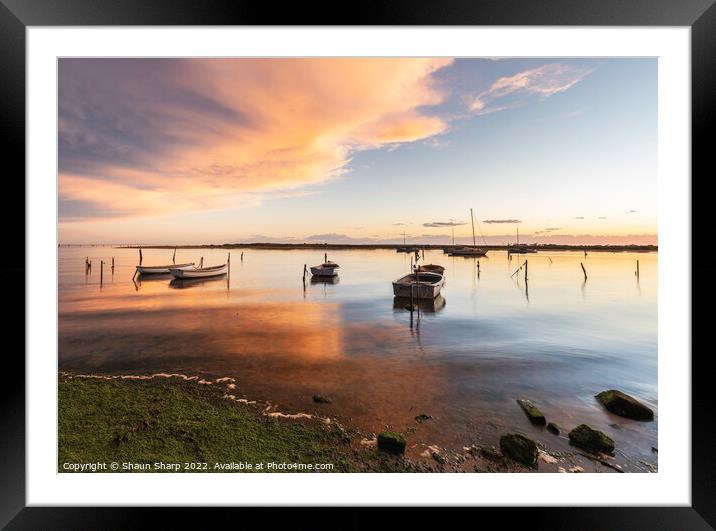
x=325, y=280
x=432, y=268
x=426, y=305
x=200, y=272
x=326, y=269
x=426, y=286
x=182, y=283
x=163, y=269
x=153, y=278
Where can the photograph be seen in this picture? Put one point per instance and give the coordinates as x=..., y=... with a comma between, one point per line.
x=357, y=265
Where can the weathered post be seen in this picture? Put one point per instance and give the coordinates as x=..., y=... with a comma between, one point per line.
x=201, y=263
x=242, y=256
x=325, y=258
x=174, y=256
x=140, y=256
x=305, y=272
x=101, y=272
x=584, y=271
x=113, y=265
x=637, y=268
x=525, y=270
x=228, y=263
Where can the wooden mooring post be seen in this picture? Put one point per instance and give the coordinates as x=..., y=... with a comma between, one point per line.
x=637, y=269
x=583, y=271
x=140, y=256
x=174, y=256
x=242, y=256
x=525, y=270
x=113, y=265
x=305, y=272
x=201, y=262
x=101, y=272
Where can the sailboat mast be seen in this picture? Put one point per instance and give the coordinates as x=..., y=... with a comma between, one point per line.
x=453, y=234
x=472, y=218
x=518, y=235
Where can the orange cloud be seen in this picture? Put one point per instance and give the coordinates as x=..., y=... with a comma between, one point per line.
x=201, y=134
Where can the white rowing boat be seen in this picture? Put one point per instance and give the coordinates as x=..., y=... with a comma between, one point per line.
x=200, y=272
x=327, y=269
x=163, y=269
x=426, y=286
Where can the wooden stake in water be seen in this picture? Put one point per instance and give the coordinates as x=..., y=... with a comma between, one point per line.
x=525, y=270
x=325, y=258
x=305, y=272
x=174, y=256
x=637, y=268
x=113, y=265
x=140, y=256
x=584, y=271
x=242, y=256
x=101, y=272
x=201, y=263
x=228, y=263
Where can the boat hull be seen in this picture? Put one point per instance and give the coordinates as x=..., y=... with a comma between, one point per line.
x=321, y=271
x=429, y=288
x=468, y=252
x=200, y=273
x=162, y=270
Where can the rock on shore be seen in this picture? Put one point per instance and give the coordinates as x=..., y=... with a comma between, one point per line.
x=534, y=414
x=587, y=438
x=624, y=405
x=519, y=448
x=391, y=442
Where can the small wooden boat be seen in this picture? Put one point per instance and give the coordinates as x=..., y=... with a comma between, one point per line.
x=468, y=251
x=200, y=272
x=326, y=269
x=163, y=269
x=426, y=286
x=520, y=249
x=432, y=268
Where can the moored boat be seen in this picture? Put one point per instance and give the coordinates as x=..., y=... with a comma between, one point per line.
x=427, y=285
x=163, y=269
x=433, y=268
x=468, y=251
x=326, y=269
x=200, y=272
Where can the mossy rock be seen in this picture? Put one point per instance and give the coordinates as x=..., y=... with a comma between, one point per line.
x=519, y=448
x=534, y=414
x=321, y=399
x=391, y=442
x=553, y=428
x=624, y=405
x=587, y=438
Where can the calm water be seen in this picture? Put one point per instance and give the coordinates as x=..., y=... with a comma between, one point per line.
x=488, y=340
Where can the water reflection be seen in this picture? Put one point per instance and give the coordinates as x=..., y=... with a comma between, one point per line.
x=463, y=363
x=425, y=305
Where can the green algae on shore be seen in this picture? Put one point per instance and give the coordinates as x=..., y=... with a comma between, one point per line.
x=146, y=422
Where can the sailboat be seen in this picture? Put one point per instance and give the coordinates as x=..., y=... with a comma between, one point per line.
x=520, y=248
x=473, y=251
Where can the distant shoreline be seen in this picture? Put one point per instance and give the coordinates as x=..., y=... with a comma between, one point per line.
x=347, y=246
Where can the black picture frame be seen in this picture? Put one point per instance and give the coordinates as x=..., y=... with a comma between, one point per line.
x=699, y=15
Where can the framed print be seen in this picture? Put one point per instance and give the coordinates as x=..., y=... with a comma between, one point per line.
x=420, y=258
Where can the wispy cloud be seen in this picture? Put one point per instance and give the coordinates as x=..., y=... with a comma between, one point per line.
x=441, y=224
x=491, y=221
x=540, y=82
x=631, y=211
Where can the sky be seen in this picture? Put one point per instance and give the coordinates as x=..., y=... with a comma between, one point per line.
x=357, y=150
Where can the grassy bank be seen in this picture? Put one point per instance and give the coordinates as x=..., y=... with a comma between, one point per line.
x=171, y=421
